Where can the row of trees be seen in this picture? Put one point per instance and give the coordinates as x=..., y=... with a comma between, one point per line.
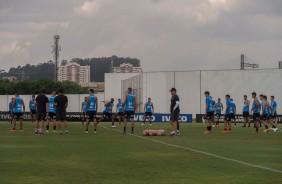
x=28, y=87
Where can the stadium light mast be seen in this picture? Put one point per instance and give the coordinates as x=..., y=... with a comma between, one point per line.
x=56, y=49
x=244, y=65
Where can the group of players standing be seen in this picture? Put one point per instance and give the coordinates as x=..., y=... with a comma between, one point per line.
x=263, y=112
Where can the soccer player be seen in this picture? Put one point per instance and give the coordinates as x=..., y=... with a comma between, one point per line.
x=42, y=106
x=149, y=110
x=266, y=110
x=18, y=111
x=130, y=106
x=218, y=108
x=120, y=110
x=51, y=112
x=83, y=109
x=11, y=111
x=61, y=103
x=209, y=112
x=229, y=114
x=91, y=110
x=32, y=108
x=246, y=111
x=108, y=113
x=273, y=113
x=174, y=110
x=234, y=106
x=256, y=107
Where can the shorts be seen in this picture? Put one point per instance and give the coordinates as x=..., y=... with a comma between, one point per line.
x=209, y=115
x=41, y=116
x=265, y=117
x=90, y=115
x=256, y=116
x=218, y=115
x=18, y=115
x=33, y=112
x=129, y=114
x=61, y=116
x=51, y=115
x=273, y=116
x=246, y=114
x=229, y=117
x=174, y=116
x=148, y=113
x=107, y=115
x=120, y=114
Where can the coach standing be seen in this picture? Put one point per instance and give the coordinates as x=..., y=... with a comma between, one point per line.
x=174, y=110
x=61, y=102
x=42, y=106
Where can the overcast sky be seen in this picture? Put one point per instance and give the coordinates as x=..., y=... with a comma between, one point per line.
x=163, y=34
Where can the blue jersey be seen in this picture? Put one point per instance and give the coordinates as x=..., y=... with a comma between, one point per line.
x=230, y=107
x=109, y=107
x=246, y=107
x=266, y=109
x=18, y=107
x=256, y=107
x=273, y=107
x=129, y=104
x=32, y=105
x=119, y=107
x=10, y=107
x=149, y=106
x=51, y=107
x=91, y=104
x=218, y=107
x=83, y=106
x=209, y=103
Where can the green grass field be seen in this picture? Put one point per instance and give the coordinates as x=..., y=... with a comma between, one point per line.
x=111, y=157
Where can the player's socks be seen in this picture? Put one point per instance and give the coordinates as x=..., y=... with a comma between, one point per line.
x=177, y=126
x=266, y=127
x=47, y=127
x=67, y=132
x=257, y=129
x=124, y=130
x=54, y=127
x=132, y=130
x=273, y=126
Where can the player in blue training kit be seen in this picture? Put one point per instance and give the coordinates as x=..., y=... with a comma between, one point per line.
x=83, y=110
x=32, y=108
x=209, y=112
x=91, y=110
x=149, y=110
x=256, y=107
x=229, y=114
x=266, y=111
x=51, y=112
x=130, y=106
x=273, y=114
x=108, y=113
x=18, y=111
x=120, y=110
x=218, y=108
x=11, y=111
x=246, y=111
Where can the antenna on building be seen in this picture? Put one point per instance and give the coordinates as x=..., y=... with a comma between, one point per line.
x=56, y=48
x=244, y=65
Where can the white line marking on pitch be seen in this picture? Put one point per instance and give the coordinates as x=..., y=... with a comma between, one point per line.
x=202, y=152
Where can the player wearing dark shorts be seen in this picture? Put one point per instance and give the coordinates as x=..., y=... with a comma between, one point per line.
x=61, y=104
x=246, y=111
x=174, y=111
x=229, y=114
x=256, y=107
x=218, y=108
x=149, y=110
x=32, y=108
x=42, y=106
x=11, y=111
x=18, y=111
x=209, y=112
x=130, y=106
x=83, y=110
x=91, y=109
x=108, y=113
x=273, y=114
x=120, y=110
x=266, y=113
x=51, y=112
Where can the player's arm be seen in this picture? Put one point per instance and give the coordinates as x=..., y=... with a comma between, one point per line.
x=47, y=105
x=153, y=108
x=96, y=99
x=221, y=106
x=67, y=102
x=207, y=106
x=135, y=103
x=176, y=104
x=14, y=103
x=145, y=107
x=30, y=105
x=23, y=105
x=82, y=107
x=235, y=109
x=107, y=104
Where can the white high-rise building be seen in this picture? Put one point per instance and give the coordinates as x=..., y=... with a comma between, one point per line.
x=74, y=72
x=127, y=68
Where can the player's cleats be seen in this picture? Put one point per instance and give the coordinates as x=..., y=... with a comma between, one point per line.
x=228, y=131
x=150, y=124
x=12, y=130
x=172, y=133
x=21, y=130
x=142, y=124
x=224, y=131
x=114, y=126
x=207, y=132
x=95, y=132
x=86, y=132
x=47, y=131
x=275, y=129
x=213, y=126
x=217, y=125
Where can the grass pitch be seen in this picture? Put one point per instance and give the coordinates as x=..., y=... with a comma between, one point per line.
x=111, y=157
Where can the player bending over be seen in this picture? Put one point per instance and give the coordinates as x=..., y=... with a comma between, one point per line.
x=108, y=113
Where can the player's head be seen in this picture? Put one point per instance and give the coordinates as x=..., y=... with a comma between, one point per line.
x=254, y=94
x=218, y=99
x=272, y=98
x=173, y=91
x=207, y=93
x=227, y=97
x=261, y=96
x=33, y=97
x=112, y=100
x=91, y=91
x=54, y=93
x=43, y=91
x=245, y=97
x=12, y=99
x=129, y=90
x=85, y=98
x=119, y=100
x=149, y=99
x=264, y=97
x=17, y=93
x=61, y=91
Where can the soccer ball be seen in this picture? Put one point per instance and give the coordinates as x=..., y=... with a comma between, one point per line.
x=145, y=132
